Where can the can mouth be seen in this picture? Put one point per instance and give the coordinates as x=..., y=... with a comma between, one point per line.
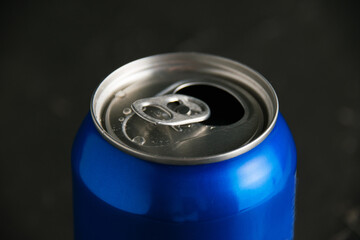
x=243, y=108
x=226, y=111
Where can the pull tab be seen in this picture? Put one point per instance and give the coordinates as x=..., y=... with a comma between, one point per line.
x=171, y=110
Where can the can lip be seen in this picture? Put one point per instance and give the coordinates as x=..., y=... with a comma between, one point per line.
x=96, y=101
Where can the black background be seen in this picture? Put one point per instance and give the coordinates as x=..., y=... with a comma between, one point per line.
x=55, y=53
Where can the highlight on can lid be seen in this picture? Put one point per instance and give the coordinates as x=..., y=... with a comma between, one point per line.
x=185, y=108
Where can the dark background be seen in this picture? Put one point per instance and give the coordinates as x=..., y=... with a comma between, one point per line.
x=53, y=54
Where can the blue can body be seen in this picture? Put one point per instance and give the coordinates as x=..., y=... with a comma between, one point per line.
x=118, y=196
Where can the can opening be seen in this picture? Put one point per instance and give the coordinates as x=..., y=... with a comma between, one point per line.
x=225, y=108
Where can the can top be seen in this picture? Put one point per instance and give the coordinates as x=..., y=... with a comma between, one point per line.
x=184, y=108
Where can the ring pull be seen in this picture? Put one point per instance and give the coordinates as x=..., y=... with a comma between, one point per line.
x=171, y=109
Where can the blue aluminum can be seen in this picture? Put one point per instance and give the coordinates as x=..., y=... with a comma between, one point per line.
x=184, y=146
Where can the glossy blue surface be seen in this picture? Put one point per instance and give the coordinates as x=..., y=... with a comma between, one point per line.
x=117, y=196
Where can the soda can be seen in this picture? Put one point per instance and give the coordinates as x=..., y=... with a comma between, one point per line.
x=184, y=146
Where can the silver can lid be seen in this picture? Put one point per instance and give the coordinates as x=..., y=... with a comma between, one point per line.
x=185, y=108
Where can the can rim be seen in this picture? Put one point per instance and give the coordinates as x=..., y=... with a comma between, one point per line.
x=193, y=160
